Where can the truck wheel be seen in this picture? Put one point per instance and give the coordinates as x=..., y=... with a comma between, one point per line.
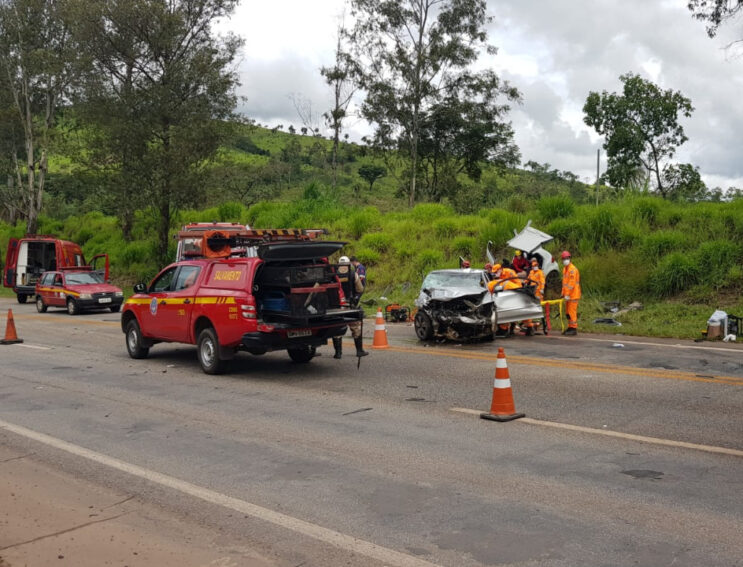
x=301, y=354
x=115, y=308
x=207, y=348
x=423, y=326
x=40, y=306
x=134, y=341
x=72, y=308
x=21, y=297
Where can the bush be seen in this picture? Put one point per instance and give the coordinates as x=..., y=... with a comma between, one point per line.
x=445, y=228
x=367, y=256
x=663, y=242
x=429, y=260
x=362, y=222
x=558, y=207
x=230, y=212
x=675, y=273
x=603, y=227
x=428, y=212
x=646, y=210
x=716, y=258
x=466, y=246
x=378, y=241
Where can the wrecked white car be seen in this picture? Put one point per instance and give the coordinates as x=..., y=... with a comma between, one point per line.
x=456, y=305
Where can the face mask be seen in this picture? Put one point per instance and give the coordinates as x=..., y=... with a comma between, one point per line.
x=535, y=268
x=566, y=262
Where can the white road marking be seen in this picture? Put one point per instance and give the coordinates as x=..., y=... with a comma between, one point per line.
x=389, y=557
x=34, y=346
x=618, y=434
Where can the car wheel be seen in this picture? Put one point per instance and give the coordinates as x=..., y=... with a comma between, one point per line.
x=135, y=344
x=21, y=297
x=553, y=286
x=40, y=306
x=72, y=308
x=423, y=326
x=115, y=308
x=207, y=348
x=301, y=354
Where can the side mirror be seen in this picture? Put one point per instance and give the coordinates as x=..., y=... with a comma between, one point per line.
x=426, y=291
x=140, y=288
x=498, y=288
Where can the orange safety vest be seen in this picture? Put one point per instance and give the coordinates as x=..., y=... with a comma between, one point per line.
x=504, y=280
x=571, y=281
x=537, y=276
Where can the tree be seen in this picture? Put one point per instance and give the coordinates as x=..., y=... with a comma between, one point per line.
x=684, y=183
x=340, y=78
x=39, y=63
x=715, y=12
x=370, y=173
x=411, y=55
x=463, y=131
x=640, y=126
x=168, y=84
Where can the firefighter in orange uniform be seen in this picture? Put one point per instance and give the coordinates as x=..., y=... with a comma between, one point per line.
x=502, y=277
x=570, y=292
x=536, y=280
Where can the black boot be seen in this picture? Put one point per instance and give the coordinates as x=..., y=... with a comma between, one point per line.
x=338, y=345
x=359, y=347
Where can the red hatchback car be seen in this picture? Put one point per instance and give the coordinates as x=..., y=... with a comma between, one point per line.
x=76, y=290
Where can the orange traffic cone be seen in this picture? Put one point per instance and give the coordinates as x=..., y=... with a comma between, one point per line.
x=502, y=407
x=10, y=335
x=380, y=333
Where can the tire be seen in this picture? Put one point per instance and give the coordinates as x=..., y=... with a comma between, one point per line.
x=207, y=349
x=115, y=308
x=423, y=326
x=72, y=308
x=21, y=297
x=40, y=305
x=301, y=354
x=135, y=344
x=553, y=286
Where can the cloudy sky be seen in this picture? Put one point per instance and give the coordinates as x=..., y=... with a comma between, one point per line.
x=553, y=51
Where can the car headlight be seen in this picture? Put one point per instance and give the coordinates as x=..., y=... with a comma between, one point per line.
x=119, y=294
x=86, y=296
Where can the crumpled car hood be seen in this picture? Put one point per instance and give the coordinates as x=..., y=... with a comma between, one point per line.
x=444, y=294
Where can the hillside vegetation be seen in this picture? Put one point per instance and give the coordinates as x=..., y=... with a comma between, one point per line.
x=681, y=260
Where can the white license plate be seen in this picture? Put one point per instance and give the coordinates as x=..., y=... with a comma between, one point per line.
x=299, y=333
x=104, y=300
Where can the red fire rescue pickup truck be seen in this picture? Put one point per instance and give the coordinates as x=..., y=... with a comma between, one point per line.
x=285, y=297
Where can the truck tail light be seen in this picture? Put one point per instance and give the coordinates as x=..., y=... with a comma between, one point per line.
x=247, y=309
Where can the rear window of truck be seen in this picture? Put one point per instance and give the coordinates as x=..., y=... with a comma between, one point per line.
x=226, y=276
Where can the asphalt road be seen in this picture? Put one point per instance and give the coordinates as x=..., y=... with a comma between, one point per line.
x=629, y=455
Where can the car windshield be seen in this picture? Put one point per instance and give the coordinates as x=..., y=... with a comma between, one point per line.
x=452, y=279
x=83, y=278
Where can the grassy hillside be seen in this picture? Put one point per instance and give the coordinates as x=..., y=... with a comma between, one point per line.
x=680, y=260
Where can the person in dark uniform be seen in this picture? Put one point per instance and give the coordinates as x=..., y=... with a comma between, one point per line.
x=352, y=289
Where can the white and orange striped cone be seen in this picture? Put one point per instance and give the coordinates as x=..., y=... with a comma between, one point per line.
x=380, y=333
x=502, y=407
x=11, y=337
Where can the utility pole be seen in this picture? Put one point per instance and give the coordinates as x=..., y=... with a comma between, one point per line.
x=598, y=157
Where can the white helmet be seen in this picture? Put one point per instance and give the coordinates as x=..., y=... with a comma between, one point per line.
x=344, y=260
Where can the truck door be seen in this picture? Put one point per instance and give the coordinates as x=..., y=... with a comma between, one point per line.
x=171, y=302
x=10, y=263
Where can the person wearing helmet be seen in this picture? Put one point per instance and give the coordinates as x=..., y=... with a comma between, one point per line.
x=520, y=262
x=507, y=279
x=571, y=292
x=352, y=288
x=536, y=280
